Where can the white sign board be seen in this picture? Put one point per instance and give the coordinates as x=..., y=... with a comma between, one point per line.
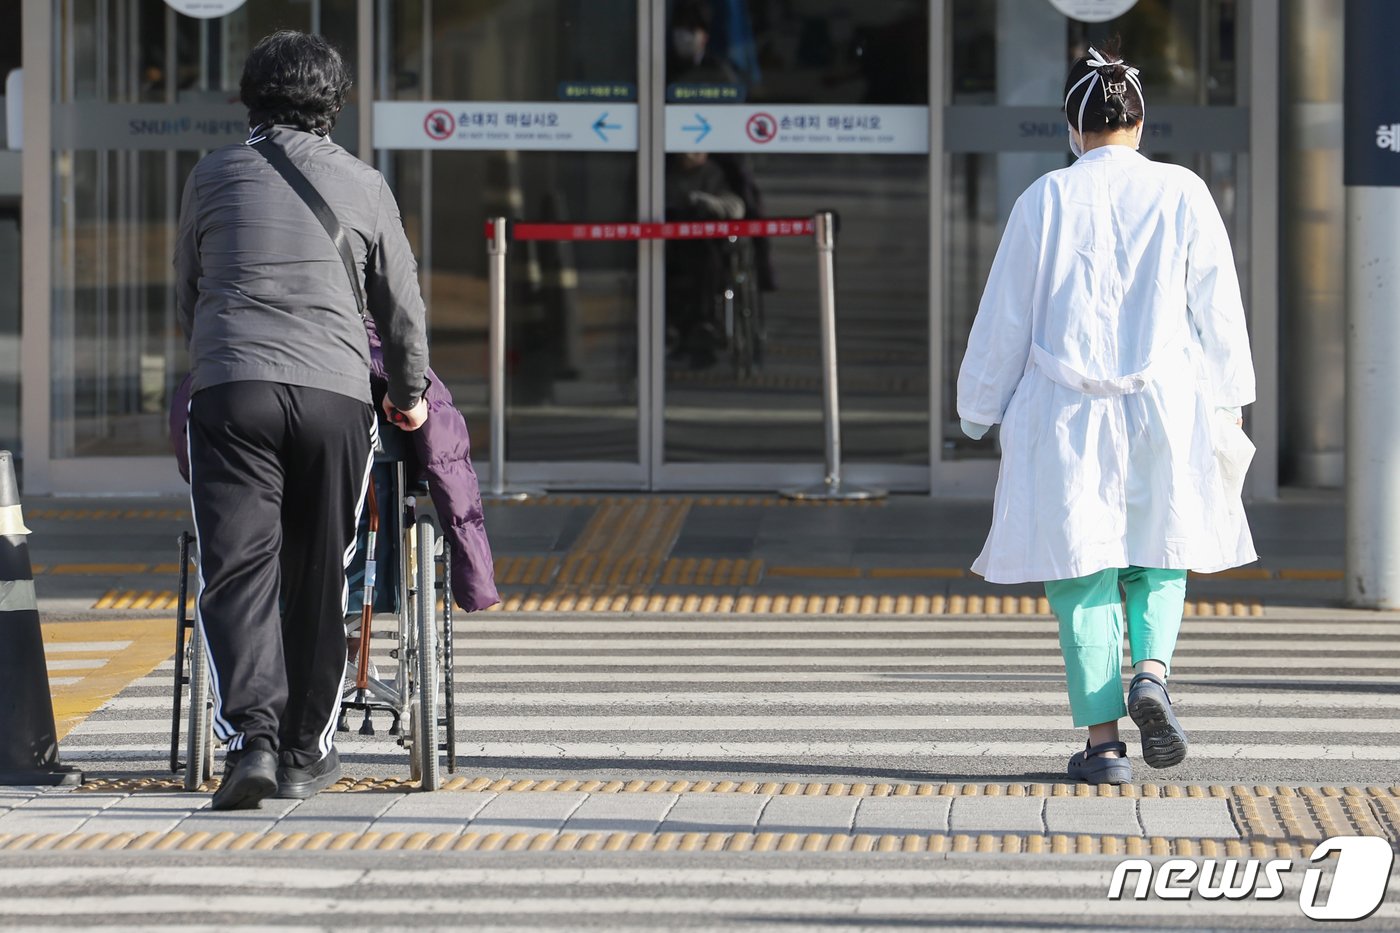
x=205, y=9
x=570, y=127
x=1093, y=11
x=814, y=128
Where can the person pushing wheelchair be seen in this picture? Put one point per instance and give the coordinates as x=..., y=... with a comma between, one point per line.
x=281, y=424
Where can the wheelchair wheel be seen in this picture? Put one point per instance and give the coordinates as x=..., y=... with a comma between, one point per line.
x=449, y=704
x=199, y=746
x=424, y=714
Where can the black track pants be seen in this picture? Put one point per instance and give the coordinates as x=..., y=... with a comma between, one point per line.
x=277, y=475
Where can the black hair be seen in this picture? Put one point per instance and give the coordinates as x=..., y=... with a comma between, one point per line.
x=294, y=78
x=692, y=14
x=1103, y=92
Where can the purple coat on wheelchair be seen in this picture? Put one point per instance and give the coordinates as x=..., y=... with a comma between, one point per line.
x=443, y=457
x=444, y=450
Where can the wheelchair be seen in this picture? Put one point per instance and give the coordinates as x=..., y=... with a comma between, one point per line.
x=418, y=692
x=741, y=306
x=715, y=306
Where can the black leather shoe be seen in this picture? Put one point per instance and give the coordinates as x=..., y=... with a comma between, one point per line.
x=300, y=783
x=250, y=777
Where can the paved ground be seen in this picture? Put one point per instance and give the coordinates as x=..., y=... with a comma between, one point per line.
x=656, y=554
x=644, y=769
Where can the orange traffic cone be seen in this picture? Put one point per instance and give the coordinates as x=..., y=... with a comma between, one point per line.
x=28, y=739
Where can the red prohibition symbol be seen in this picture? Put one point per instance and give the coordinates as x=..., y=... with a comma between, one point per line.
x=762, y=128
x=439, y=124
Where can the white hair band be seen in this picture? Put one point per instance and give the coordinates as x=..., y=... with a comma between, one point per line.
x=1095, y=61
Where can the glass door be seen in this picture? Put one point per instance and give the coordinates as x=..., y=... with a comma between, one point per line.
x=139, y=93
x=669, y=365
x=524, y=109
x=1004, y=70
x=780, y=110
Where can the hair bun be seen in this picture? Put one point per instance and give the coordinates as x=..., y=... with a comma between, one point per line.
x=1102, y=90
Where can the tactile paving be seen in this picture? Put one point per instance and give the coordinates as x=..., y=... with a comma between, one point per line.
x=1272, y=820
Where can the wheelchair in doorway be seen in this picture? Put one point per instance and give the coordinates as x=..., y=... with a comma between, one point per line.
x=418, y=693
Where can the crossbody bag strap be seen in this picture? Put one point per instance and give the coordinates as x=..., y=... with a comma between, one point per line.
x=308, y=193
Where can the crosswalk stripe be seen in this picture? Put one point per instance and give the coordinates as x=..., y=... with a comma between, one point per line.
x=77, y=664
x=1242, y=700
x=853, y=659
x=913, y=642
x=307, y=878
x=785, y=690
x=561, y=677
x=865, y=906
x=494, y=624
x=78, y=647
x=765, y=720
x=728, y=751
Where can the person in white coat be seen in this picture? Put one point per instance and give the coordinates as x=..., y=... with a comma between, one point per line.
x=1110, y=345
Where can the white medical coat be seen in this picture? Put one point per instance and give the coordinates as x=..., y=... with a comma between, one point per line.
x=1110, y=330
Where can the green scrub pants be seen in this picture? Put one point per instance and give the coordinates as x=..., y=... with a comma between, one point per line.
x=1090, y=610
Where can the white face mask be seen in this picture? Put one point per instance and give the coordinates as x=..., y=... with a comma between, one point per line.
x=1075, y=144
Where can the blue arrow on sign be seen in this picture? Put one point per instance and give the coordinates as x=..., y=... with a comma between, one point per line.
x=703, y=128
x=603, y=124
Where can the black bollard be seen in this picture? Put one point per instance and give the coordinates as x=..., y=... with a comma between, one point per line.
x=28, y=737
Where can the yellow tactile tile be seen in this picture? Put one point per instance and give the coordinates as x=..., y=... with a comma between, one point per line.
x=849, y=605
x=98, y=569
x=1298, y=574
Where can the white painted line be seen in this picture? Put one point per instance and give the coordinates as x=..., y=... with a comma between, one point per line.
x=75, y=647
x=750, y=876
x=930, y=906
x=113, y=752
x=77, y=664
x=514, y=625
x=782, y=677
x=232, y=928
x=922, y=749
x=762, y=720
x=385, y=745
x=797, y=751
x=1009, y=662
x=1243, y=700
x=911, y=642
x=64, y=681
x=181, y=876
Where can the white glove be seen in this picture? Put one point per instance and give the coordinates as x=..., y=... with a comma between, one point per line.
x=974, y=430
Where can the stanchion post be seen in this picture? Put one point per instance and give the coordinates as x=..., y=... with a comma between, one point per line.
x=832, y=487
x=496, y=257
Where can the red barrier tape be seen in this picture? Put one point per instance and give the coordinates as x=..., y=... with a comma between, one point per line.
x=698, y=230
